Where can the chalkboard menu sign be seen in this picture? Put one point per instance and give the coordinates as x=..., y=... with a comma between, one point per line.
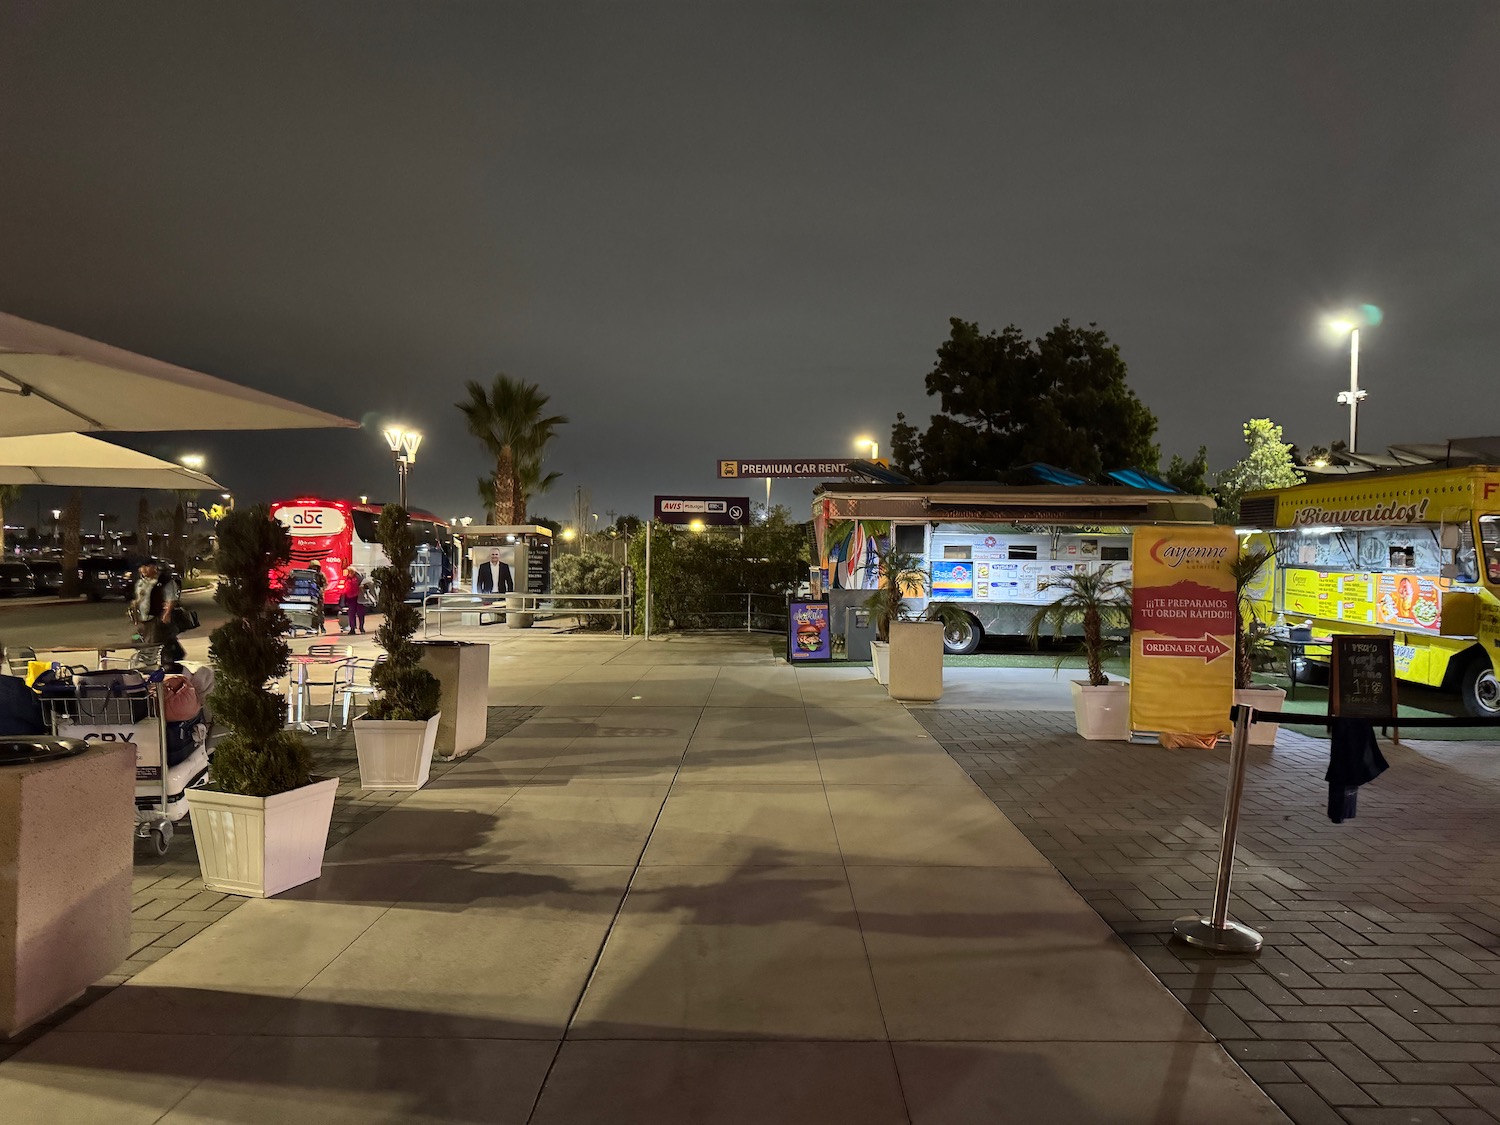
x=1363, y=678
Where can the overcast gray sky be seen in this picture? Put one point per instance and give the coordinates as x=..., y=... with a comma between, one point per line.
x=738, y=230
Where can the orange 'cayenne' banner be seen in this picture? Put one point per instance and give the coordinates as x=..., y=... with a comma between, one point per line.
x=1182, y=630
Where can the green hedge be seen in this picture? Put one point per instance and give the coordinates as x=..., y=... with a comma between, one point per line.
x=700, y=579
x=587, y=574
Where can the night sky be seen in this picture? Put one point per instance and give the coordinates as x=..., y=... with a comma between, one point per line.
x=738, y=230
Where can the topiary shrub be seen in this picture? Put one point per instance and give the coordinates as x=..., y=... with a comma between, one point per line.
x=407, y=690
x=256, y=758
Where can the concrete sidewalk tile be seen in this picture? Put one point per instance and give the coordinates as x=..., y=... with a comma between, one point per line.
x=1418, y=1095
x=725, y=1083
x=719, y=952
x=1084, y=1083
x=744, y=825
x=1302, y=1104
x=1331, y=1084
x=486, y=952
x=350, y=1081
x=106, y=1078
x=1001, y=954
x=939, y=825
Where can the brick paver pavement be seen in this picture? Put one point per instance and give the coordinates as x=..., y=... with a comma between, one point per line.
x=168, y=901
x=1377, y=997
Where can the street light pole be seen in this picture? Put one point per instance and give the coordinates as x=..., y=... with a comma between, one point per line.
x=403, y=445
x=1353, y=396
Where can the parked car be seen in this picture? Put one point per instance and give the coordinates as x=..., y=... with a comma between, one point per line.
x=101, y=578
x=16, y=580
x=48, y=576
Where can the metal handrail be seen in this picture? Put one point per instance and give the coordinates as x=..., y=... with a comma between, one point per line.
x=444, y=605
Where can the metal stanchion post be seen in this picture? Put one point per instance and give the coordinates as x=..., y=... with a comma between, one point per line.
x=1217, y=932
x=748, y=596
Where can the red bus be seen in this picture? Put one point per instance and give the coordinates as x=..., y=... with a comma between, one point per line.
x=333, y=535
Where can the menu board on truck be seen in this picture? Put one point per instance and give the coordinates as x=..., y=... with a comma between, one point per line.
x=1409, y=601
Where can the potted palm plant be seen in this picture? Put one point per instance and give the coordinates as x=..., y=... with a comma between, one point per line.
x=261, y=827
x=1249, y=639
x=1098, y=602
x=907, y=652
x=396, y=736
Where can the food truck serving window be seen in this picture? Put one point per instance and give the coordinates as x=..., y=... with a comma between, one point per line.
x=1489, y=536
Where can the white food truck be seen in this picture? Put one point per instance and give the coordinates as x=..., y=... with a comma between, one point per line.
x=992, y=549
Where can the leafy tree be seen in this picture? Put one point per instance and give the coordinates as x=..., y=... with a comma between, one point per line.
x=1321, y=455
x=627, y=526
x=407, y=691
x=256, y=757
x=508, y=419
x=9, y=494
x=1007, y=401
x=1189, y=476
x=1268, y=464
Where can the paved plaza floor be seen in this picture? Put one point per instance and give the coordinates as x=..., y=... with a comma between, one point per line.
x=695, y=885
x=1377, y=998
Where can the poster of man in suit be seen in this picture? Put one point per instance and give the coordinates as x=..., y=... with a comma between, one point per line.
x=493, y=576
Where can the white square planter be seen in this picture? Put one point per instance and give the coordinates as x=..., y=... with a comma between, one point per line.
x=880, y=661
x=261, y=846
x=65, y=864
x=916, y=661
x=463, y=671
x=1262, y=699
x=395, y=753
x=1102, y=713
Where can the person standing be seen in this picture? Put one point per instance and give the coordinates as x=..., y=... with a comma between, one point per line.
x=155, y=603
x=353, y=590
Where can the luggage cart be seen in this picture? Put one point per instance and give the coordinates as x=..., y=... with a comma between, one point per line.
x=170, y=758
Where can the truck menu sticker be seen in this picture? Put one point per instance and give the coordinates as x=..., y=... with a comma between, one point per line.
x=1182, y=630
x=1409, y=601
x=952, y=578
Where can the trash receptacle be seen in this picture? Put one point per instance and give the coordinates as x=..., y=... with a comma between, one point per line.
x=859, y=631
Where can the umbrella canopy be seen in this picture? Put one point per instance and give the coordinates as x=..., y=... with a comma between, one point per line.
x=53, y=382
x=75, y=461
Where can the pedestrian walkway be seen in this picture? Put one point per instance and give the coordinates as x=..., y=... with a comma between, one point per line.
x=1377, y=996
x=696, y=886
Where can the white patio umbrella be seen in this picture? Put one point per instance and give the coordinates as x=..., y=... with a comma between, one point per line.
x=76, y=461
x=53, y=382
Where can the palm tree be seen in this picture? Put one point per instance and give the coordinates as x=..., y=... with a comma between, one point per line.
x=508, y=419
x=1245, y=569
x=1093, y=599
x=9, y=494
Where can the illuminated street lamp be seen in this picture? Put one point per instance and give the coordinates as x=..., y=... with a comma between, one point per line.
x=1349, y=325
x=194, y=461
x=403, y=445
x=56, y=524
x=860, y=443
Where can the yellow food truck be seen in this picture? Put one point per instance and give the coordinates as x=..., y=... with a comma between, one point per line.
x=1410, y=552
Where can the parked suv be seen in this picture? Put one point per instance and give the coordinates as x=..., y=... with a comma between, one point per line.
x=16, y=580
x=47, y=575
x=101, y=578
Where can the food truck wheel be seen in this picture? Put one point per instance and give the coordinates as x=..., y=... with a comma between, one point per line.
x=963, y=637
x=1481, y=690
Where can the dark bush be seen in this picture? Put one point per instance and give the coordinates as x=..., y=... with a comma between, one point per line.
x=407, y=690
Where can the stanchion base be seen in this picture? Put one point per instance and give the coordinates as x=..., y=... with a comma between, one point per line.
x=1233, y=938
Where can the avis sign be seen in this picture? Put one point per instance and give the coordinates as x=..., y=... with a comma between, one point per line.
x=1182, y=625
x=714, y=511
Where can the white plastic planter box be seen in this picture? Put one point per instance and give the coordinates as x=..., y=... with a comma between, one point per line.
x=395, y=753
x=916, y=661
x=1262, y=699
x=261, y=846
x=1102, y=713
x=880, y=661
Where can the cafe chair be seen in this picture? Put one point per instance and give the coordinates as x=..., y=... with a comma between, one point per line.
x=19, y=659
x=333, y=658
x=350, y=689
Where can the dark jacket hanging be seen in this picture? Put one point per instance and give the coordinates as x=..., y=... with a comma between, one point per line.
x=1354, y=759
